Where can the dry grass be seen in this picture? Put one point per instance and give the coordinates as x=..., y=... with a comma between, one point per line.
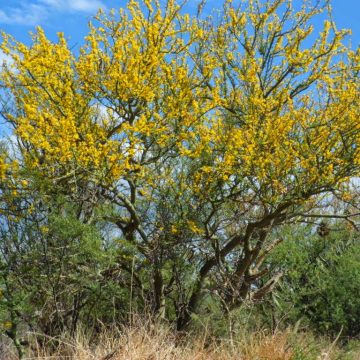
x=145, y=341
x=159, y=343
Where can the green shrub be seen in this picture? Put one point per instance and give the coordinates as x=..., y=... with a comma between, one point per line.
x=321, y=284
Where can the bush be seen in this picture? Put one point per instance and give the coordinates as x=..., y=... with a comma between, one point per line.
x=54, y=273
x=321, y=284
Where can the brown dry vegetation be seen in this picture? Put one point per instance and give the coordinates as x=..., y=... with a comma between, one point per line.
x=146, y=341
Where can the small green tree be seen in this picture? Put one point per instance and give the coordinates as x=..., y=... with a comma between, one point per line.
x=54, y=271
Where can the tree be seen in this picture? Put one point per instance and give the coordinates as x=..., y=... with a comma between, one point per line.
x=201, y=136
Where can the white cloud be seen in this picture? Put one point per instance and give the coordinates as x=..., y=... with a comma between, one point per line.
x=87, y=6
x=33, y=13
x=24, y=14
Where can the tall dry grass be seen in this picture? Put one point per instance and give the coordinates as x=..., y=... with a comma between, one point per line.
x=147, y=341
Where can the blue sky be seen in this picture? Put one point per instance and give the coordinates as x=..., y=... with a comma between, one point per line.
x=19, y=17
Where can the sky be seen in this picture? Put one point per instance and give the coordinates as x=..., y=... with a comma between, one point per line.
x=19, y=17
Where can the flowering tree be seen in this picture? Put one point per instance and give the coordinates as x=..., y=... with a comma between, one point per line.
x=199, y=136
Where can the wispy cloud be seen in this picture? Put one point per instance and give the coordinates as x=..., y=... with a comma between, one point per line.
x=87, y=6
x=26, y=13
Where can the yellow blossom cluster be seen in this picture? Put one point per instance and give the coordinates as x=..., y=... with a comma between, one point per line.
x=244, y=101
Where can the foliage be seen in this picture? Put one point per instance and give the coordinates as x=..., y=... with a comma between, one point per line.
x=321, y=283
x=53, y=272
